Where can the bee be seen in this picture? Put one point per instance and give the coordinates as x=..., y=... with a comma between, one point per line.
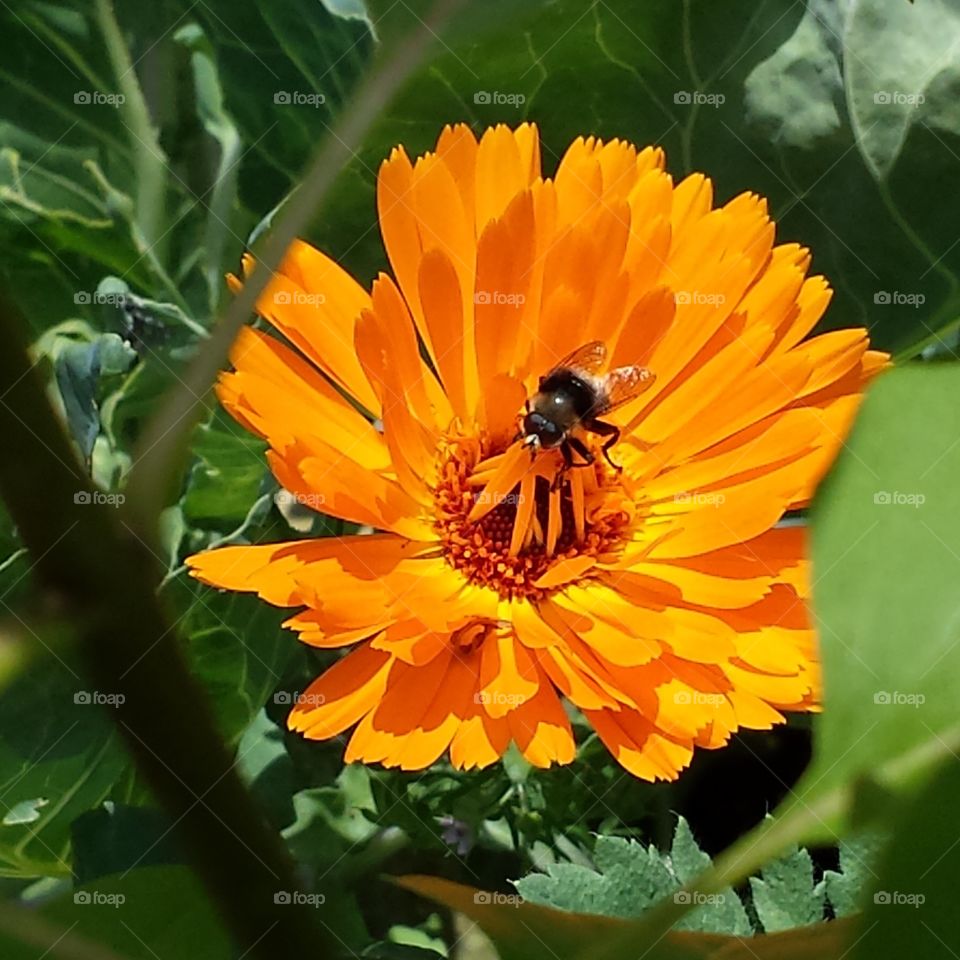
x=572, y=397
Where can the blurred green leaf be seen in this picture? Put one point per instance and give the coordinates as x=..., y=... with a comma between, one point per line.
x=886, y=547
x=911, y=910
x=33, y=188
x=527, y=931
x=149, y=912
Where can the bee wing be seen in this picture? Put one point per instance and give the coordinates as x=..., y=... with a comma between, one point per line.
x=623, y=384
x=588, y=359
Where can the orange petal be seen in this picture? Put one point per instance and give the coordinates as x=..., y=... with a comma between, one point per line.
x=636, y=744
x=541, y=729
x=313, y=302
x=508, y=676
x=341, y=696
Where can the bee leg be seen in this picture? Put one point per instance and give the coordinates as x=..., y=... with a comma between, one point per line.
x=611, y=432
x=583, y=450
x=568, y=464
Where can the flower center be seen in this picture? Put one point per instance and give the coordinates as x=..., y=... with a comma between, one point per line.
x=505, y=521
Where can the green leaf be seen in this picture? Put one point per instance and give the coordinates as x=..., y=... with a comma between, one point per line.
x=285, y=70
x=115, y=838
x=78, y=367
x=264, y=765
x=331, y=820
x=33, y=185
x=845, y=889
x=422, y=942
x=26, y=811
x=235, y=646
x=786, y=897
x=59, y=758
x=77, y=370
x=63, y=144
x=793, y=94
x=229, y=474
x=753, y=95
x=219, y=125
x=629, y=878
x=903, y=70
x=722, y=912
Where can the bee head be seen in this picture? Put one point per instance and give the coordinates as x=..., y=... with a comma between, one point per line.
x=538, y=431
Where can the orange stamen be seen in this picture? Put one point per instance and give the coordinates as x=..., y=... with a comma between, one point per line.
x=508, y=533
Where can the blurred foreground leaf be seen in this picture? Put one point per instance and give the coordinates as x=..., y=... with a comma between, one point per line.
x=523, y=931
x=140, y=915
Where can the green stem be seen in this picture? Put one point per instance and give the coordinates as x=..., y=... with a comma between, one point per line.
x=122, y=203
x=150, y=162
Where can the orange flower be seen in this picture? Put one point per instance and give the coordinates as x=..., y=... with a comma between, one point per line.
x=662, y=600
